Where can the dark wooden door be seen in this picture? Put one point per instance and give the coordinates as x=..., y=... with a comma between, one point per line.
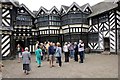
x=106, y=44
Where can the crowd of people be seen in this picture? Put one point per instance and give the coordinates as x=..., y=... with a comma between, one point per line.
x=49, y=51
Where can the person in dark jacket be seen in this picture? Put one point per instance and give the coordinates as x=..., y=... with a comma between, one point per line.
x=51, y=54
x=76, y=52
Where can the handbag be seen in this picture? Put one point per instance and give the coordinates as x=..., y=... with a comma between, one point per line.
x=41, y=54
x=57, y=53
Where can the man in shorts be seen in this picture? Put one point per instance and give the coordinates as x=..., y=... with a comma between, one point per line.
x=51, y=54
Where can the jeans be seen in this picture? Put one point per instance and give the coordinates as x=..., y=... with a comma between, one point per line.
x=66, y=56
x=71, y=53
x=81, y=53
x=59, y=61
x=76, y=55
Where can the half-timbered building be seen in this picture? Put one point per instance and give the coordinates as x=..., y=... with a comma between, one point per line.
x=118, y=26
x=23, y=28
x=7, y=10
x=104, y=27
x=98, y=26
x=74, y=22
x=48, y=23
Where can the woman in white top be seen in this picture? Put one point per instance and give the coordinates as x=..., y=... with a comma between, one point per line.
x=65, y=49
x=19, y=53
x=81, y=50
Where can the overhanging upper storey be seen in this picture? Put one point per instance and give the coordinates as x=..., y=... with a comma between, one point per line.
x=23, y=6
x=24, y=16
x=8, y=13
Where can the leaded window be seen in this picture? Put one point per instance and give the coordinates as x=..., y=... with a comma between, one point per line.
x=103, y=18
x=94, y=21
x=42, y=18
x=93, y=37
x=23, y=20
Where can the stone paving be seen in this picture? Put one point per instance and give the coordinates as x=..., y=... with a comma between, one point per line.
x=95, y=66
x=0, y=69
x=0, y=75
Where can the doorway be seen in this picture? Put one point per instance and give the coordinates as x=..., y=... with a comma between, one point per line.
x=21, y=42
x=106, y=44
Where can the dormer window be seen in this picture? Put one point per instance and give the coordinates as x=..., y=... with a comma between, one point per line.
x=54, y=12
x=63, y=11
x=74, y=9
x=87, y=10
x=21, y=11
x=42, y=12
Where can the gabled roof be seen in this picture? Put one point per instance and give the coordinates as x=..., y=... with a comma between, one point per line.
x=102, y=7
x=85, y=6
x=74, y=4
x=65, y=8
x=53, y=8
x=14, y=2
x=42, y=8
x=22, y=5
x=114, y=1
x=35, y=12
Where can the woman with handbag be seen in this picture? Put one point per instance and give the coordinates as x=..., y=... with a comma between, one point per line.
x=58, y=54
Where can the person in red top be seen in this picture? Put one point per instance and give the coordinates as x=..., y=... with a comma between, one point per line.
x=22, y=49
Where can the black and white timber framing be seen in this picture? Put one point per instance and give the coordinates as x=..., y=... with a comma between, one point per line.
x=98, y=26
x=23, y=28
x=7, y=11
x=74, y=22
x=48, y=23
x=104, y=27
x=0, y=29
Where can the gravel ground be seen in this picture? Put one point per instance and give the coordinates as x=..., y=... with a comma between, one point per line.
x=94, y=66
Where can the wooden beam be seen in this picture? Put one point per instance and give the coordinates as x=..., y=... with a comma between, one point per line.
x=0, y=16
x=115, y=31
x=0, y=29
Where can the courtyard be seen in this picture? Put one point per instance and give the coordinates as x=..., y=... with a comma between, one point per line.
x=94, y=66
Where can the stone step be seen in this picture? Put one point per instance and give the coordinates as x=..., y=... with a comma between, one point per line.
x=106, y=53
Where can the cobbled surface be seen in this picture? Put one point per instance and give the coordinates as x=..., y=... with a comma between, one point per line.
x=94, y=66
